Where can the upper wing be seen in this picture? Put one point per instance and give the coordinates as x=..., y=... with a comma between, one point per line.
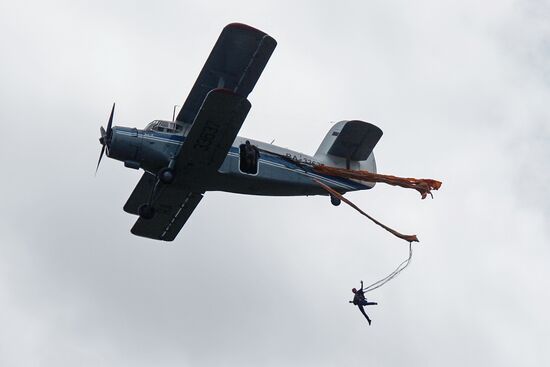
x=235, y=63
x=214, y=130
x=172, y=207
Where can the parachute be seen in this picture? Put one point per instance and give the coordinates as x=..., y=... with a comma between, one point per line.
x=331, y=191
x=424, y=186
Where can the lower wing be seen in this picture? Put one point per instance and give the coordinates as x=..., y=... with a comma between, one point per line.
x=172, y=208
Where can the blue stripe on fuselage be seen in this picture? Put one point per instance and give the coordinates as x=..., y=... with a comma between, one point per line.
x=267, y=158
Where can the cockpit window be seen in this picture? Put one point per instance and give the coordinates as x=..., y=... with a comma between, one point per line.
x=164, y=126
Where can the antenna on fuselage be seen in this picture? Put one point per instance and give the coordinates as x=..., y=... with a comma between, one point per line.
x=174, y=113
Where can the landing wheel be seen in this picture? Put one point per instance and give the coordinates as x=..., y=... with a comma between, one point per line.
x=335, y=201
x=146, y=211
x=166, y=175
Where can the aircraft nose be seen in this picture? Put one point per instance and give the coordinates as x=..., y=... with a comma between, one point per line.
x=109, y=141
x=124, y=143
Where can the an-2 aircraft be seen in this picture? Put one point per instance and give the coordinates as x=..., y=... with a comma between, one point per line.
x=200, y=151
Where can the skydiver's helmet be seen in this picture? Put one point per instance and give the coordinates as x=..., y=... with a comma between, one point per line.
x=354, y=290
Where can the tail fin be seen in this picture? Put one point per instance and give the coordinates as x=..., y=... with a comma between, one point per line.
x=348, y=144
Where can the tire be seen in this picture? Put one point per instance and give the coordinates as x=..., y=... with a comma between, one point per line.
x=335, y=201
x=166, y=175
x=146, y=211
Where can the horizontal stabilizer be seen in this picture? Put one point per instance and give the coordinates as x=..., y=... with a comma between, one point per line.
x=354, y=141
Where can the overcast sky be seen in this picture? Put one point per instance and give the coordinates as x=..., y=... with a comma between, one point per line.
x=461, y=90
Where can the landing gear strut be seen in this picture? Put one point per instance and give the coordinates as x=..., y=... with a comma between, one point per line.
x=335, y=201
x=165, y=176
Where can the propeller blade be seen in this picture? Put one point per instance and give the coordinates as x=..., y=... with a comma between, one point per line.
x=105, y=138
x=110, y=123
x=102, y=135
x=100, y=156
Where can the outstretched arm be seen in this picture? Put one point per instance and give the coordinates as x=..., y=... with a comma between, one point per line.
x=361, y=285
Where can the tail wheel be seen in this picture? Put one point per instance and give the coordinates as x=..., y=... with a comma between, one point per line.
x=335, y=201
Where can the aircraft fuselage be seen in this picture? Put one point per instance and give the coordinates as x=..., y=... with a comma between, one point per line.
x=278, y=172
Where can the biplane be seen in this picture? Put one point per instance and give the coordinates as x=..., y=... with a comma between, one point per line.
x=200, y=151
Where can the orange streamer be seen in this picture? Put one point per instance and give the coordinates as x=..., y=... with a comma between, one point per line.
x=424, y=185
x=407, y=237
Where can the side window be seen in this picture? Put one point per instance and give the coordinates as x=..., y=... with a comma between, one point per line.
x=249, y=156
x=163, y=127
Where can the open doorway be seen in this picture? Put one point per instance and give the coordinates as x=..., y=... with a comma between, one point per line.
x=249, y=158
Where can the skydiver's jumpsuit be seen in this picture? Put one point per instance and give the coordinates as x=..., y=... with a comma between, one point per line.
x=360, y=301
x=251, y=156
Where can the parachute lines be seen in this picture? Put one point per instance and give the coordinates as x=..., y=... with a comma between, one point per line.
x=392, y=275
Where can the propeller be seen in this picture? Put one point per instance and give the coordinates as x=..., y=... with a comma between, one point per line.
x=106, y=136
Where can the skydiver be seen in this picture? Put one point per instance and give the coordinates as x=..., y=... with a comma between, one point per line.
x=360, y=301
x=251, y=155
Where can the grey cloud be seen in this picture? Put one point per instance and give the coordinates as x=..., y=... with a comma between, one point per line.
x=460, y=91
